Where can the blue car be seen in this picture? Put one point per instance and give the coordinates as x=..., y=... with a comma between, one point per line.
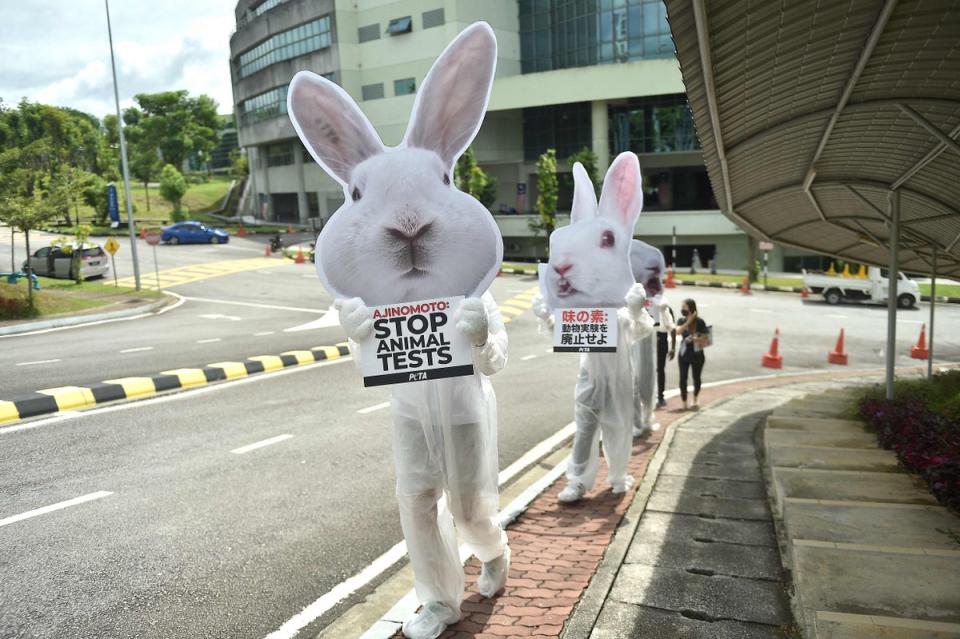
x=193, y=233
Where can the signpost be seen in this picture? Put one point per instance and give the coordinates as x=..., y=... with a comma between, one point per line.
x=153, y=238
x=765, y=246
x=111, y=246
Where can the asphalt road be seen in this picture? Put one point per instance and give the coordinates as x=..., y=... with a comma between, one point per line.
x=195, y=540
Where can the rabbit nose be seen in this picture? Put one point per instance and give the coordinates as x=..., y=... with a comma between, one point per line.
x=409, y=233
x=562, y=269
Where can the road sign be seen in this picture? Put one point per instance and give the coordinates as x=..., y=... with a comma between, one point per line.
x=111, y=246
x=152, y=238
x=113, y=206
x=766, y=246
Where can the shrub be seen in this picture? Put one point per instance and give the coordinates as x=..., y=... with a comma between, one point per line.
x=921, y=425
x=173, y=186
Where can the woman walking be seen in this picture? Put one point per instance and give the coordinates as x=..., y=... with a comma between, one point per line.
x=693, y=333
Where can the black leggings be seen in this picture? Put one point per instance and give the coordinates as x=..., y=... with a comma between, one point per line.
x=696, y=361
x=661, y=363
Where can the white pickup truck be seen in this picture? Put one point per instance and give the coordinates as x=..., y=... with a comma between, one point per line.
x=872, y=288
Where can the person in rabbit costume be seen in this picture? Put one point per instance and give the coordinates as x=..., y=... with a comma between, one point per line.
x=404, y=234
x=648, y=268
x=590, y=267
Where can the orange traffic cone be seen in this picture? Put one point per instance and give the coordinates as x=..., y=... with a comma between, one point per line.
x=804, y=294
x=242, y=231
x=289, y=229
x=837, y=355
x=300, y=259
x=143, y=232
x=267, y=252
x=745, y=287
x=669, y=283
x=773, y=359
x=919, y=351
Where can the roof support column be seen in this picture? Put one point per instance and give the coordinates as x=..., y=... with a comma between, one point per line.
x=893, y=277
x=600, y=135
x=933, y=304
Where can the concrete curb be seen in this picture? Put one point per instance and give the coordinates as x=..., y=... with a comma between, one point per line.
x=54, y=400
x=75, y=320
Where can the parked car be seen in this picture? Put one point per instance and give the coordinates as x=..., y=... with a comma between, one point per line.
x=872, y=288
x=193, y=233
x=57, y=261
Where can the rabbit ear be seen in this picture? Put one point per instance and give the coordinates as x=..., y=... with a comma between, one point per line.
x=622, y=196
x=330, y=124
x=584, y=197
x=450, y=104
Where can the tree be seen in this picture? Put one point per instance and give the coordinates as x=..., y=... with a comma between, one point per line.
x=73, y=246
x=94, y=195
x=172, y=186
x=25, y=209
x=145, y=166
x=547, y=192
x=174, y=123
x=588, y=159
x=473, y=180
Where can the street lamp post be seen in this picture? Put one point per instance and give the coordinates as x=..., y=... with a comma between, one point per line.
x=131, y=223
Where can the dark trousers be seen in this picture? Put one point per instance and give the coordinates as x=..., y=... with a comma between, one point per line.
x=696, y=362
x=661, y=364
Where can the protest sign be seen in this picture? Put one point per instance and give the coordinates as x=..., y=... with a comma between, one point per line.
x=415, y=342
x=585, y=330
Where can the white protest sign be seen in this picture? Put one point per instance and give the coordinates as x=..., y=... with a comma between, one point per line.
x=585, y=330
x=415, y=342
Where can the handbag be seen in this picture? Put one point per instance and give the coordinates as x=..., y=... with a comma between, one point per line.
x=703, y=340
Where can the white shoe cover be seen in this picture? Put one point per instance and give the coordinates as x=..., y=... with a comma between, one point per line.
x=573, y=492
x=430, y=622
x=493, y=574
x=622, y=486
x=655, y=427
x=640, y=432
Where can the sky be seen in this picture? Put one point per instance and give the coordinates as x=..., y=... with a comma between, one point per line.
x=56, y=51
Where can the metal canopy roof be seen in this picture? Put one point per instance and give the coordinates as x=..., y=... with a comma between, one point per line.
x=810, y=113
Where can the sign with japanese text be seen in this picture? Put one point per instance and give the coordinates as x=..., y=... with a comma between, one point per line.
x=415, y=342
x=585, y=330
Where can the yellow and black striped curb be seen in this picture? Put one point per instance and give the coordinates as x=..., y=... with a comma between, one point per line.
x=55, y=400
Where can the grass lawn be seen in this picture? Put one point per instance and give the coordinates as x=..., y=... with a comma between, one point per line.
x=943, y=290
x=58, y=297
x=737, y=279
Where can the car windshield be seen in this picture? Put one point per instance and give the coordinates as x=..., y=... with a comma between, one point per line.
x=96, y=251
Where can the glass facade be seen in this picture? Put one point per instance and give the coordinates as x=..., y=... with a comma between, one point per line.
x=564, y=127
x=262, y=107
x=406, y=86
x=657, y=124
x=308, y=37
x=677, y=188
x=558, y=34
x=280, y=154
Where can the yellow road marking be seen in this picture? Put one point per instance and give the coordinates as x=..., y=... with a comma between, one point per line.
x=197, y=272
x=188, y=376
x=232, y=370
x=69, y=397
x=8, y=412
x=509, y=310
x=135, y=386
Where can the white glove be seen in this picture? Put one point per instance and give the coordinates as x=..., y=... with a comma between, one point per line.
x=540, y=308
x=636, y=299
x=356, y=318
x=472, y=321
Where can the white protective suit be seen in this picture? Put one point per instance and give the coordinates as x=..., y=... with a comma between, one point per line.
x=603, y=402
x=644, y=355
x=445, y=454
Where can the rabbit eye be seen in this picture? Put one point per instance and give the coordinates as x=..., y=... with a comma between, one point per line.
x=355, y=194
x=606, y=239
x=446, y=179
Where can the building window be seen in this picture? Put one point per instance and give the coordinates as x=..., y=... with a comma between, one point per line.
x=677, y=188
x=264, y=106
x=434, y=18
x=258, y=11
x=332, y=76
x=659, y=124
x=313, y=204
x=564, y=127
x=372, y=91
x=406, y=86
x=308, y=37
x=400, y=25
x=369, y=32
x=559, y=34
x=280, y=154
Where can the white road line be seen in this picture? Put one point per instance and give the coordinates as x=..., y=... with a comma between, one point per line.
x=252, y=304
x=137, y=350
x=375, y=407
x=261, y=444
x=208, y=341
x=58, y=506
x=527, y=357
x=759, y=310
x=262, y=333
x=910, y=321
x=39, y=361
x=836, y=316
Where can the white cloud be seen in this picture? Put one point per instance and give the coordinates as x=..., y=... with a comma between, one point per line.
x=57, y=53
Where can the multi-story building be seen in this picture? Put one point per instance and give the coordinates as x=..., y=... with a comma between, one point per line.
x=571, y=74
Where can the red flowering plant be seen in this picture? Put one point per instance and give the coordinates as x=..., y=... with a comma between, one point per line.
x=922, y=426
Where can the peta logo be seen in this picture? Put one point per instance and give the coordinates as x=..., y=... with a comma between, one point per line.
x=418, y=377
